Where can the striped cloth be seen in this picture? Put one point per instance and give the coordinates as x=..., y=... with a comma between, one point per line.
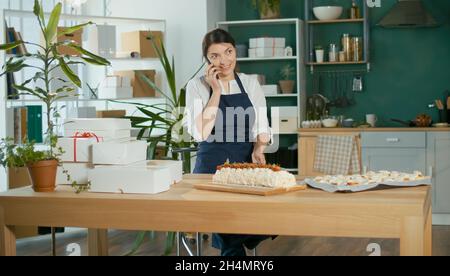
x=337, y=155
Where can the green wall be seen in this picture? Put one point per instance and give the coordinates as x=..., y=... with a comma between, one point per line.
x=410, y=67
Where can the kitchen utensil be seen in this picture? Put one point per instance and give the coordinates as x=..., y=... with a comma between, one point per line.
x=348, y=123
x=405, y=123
x=448, y=103
x=330, y=121
x=439, y=105
x=357, y=83
x=422, y=120
x=441, y=125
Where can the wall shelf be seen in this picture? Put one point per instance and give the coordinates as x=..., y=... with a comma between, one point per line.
x=337, y=21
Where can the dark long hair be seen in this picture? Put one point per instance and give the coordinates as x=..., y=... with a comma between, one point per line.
x=214, y=37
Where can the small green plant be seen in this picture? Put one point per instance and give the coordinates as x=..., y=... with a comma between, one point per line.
x=265, y=6
x=287, y=72
x=318, y=47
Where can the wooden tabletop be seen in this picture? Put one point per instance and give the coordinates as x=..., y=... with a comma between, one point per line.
x=388, y=213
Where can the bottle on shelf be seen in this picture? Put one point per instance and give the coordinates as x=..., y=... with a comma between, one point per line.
x=354, y=11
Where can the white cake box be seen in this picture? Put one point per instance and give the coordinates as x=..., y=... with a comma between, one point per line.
x=284, y=119
x=175, y=167
x=119, y=152
x=117, y=81
x=115, y=93
x=107, y=128
x=78, y=172
x=270, y=90
x=100, y=40
x=78, y=148
x=129, y=180
x=266, y=52
x=268, y=42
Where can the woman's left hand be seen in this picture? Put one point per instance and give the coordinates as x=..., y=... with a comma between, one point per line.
x=258, y=156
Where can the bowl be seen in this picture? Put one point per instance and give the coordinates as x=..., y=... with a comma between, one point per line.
x=330, y=121
x=348, y=123
x=328, y=12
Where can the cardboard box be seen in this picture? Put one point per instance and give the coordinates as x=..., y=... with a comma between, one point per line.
x=175, y=167
x=285, y=119
x=78, y=172
x=139, y=42
x=101, y=40
x=111, y=113
x=115, y=93
x=76, y=37
x=270, y=90
x=109, y=129
x=78, y=149
x=140, y=88
x=119, y=153
x=266, y=52
x=129, y=180
x=268, y=42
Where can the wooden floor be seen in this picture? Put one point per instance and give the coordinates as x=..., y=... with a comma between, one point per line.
x=120, y=242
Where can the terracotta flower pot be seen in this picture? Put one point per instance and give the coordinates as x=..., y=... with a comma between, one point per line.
x=287, y=86
x=43, y=176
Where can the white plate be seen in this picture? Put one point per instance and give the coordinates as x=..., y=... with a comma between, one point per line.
x=359, y=188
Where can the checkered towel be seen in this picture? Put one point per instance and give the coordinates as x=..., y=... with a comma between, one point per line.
x=337, y=155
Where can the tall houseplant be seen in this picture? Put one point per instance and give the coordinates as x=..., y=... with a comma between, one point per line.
x=50, y=59
x=268, y=9
x=167, y=117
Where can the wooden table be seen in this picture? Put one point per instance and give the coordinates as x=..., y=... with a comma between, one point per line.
x=391, y=213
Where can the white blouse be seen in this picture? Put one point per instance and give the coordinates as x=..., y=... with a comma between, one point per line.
x=198, y=95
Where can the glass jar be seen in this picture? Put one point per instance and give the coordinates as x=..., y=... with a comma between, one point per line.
x=333, y=53
x=357, y=48
x=347, y=47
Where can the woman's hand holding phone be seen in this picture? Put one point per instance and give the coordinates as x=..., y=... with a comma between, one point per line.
x=212, y=78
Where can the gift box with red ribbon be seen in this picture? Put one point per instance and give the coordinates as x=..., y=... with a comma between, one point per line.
x=78, y=148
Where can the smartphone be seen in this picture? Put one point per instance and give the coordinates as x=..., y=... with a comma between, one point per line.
x=209, y=62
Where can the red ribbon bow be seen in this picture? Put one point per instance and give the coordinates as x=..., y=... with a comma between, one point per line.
x=83, y=135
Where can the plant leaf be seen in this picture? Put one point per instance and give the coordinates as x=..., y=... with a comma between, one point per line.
x=92, y=61
x=10, y=46
x=150, y=83
x=170, y=243
x=153, y=115
x=69, y=73
x=71, y=30
x=80, y=50
x=53, y=22
x=137, y=243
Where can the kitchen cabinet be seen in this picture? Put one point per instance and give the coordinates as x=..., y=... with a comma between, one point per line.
x=438, y=157
x=394, y=151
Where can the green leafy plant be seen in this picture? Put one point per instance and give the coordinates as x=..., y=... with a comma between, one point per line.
x=287, y=72
x=50, y=59
x=167, y=117
x=265, y=6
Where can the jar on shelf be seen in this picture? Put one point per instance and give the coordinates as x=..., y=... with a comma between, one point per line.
x=357, y=48
x=347, y=47
x=333, y=53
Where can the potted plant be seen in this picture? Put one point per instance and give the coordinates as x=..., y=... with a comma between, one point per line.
x=287, y=84
x=42, y=165
x=319, y=53
x=167, y=117
x=268, y=9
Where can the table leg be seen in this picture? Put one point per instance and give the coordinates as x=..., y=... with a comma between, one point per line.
x=412, y=237
x=429, y=234
x=98, y=242
x=7, y=238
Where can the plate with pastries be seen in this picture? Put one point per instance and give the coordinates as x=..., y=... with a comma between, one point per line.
x=367, y=181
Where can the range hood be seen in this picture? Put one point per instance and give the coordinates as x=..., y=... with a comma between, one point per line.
x=408, y=14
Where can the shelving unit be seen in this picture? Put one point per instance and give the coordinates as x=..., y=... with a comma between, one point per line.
x=117, y=64
x=275, y=62
x=310, y=23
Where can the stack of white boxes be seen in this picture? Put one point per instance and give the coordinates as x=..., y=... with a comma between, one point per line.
x=267, y=47
x=116, y=87
x=102, y=152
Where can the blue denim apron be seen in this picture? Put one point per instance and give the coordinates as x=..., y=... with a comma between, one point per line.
x=238, y=149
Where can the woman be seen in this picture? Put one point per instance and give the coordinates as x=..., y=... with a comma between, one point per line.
x=227, y=114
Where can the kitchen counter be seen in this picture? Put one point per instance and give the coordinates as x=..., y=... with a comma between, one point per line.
x=376, y=129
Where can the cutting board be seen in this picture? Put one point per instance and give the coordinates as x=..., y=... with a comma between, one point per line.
x=240, y=189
